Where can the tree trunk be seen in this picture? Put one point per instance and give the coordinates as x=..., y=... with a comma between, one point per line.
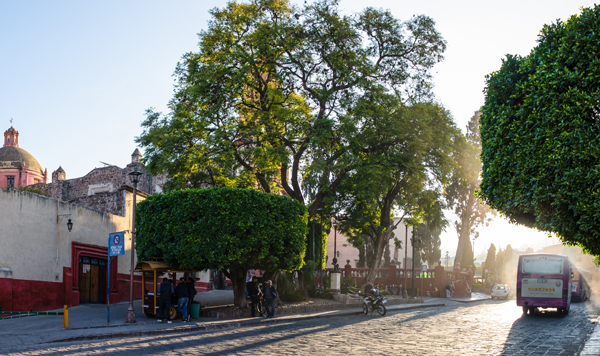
x=238, y=281
x=379, y=246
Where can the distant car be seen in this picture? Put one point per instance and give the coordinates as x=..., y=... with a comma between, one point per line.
x=501, y=291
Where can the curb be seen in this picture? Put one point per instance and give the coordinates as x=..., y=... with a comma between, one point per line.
x=224, y=325
x=470, y=301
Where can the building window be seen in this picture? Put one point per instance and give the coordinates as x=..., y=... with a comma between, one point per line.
x=10, y=182
x=36, y=181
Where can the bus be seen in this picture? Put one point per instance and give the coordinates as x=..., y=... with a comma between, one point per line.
x=544, y=281
x=580, y=284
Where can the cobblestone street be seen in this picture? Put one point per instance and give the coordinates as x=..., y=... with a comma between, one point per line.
x=483, y=328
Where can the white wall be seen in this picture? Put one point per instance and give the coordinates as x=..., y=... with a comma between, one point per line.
x=31, y=238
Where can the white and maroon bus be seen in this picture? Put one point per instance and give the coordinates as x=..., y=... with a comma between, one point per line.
x=544, y=281
x=580, y=284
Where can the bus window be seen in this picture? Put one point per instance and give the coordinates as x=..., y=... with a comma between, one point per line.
x=542, y=265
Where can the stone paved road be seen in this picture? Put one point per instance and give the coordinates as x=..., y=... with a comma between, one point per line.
x=482, y=328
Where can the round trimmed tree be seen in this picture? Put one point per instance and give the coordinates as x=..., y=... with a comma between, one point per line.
x=230, y=229
x=541, y=136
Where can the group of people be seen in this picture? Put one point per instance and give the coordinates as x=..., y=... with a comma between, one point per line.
x=267, y=294
x=185, y=292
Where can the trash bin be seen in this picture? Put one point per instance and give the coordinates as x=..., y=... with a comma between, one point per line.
x=195, y=310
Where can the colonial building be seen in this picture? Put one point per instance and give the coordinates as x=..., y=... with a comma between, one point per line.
x=18, y=168
x=43, y=264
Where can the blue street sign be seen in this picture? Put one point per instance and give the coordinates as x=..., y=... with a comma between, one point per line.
x=116, y=244
x=424, y=268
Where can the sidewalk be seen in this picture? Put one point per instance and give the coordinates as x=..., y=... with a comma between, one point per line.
x=89, y=322
x=475, y=297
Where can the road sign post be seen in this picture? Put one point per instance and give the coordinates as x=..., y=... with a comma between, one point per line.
x=116, y=247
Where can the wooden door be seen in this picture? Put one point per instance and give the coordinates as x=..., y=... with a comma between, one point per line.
x=84, y=279
x=94, y=285
x=92, y=280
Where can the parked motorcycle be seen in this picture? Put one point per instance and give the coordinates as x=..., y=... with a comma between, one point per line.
x=372, y=303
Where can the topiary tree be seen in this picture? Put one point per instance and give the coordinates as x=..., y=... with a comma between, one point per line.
x=229, y=229
x=540, y=133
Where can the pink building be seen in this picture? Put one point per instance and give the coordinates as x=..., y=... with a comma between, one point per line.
x=18, y=168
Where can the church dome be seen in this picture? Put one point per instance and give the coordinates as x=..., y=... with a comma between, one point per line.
x=13, y=157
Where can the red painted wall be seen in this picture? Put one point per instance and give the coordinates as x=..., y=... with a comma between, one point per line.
x=6, y=293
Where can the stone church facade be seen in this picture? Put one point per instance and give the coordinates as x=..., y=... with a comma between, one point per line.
x=102, y=189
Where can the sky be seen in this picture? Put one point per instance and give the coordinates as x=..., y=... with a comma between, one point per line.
x=76, y=77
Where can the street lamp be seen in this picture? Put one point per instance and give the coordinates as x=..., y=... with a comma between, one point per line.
x=135, y=178
x=413, y=240
x=336, y=267
x=320, y=211
x=70, y=225
x=404, y=292
x=447, y=259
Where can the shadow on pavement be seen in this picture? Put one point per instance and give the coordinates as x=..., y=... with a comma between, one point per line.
x=187, y=339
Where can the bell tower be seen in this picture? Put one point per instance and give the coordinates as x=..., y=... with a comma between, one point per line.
x=11, y=137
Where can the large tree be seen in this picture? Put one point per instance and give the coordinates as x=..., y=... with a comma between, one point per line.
x=429, y=243
x=401, y=162
x=490, y=261
x=262, y=102
x=229, y=229
x=541, y=137
x=471, y=211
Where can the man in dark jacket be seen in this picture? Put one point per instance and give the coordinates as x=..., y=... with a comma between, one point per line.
x=254, y=293
x=191, y=292
x=164, y=302
x=270, y=295
x=183, y=294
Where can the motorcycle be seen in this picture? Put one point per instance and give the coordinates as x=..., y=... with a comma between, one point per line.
x=373, y=303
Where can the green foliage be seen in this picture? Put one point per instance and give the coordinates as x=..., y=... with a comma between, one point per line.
x=266, y=100
x=402, y=159
x=222, y=228
x=322, y=295
x=33, y=190
x=286, y=289
x=477, y=285
x=384, y=292
x=309, y=276
x=490, y=261
x=540, y=133
x=429, y=243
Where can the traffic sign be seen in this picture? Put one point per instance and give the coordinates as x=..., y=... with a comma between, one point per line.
x=424, y=268
x=116, y=244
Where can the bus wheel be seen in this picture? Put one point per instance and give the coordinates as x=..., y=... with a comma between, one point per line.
x=525, y=309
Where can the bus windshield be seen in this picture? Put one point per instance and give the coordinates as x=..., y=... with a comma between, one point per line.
x=542, y=265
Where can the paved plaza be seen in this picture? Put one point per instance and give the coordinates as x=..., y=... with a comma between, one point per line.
x=480, y=328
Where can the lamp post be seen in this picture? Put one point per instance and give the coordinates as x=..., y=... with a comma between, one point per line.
x=413, y=240
x=404, y=292
x=447, y=259
x=134, y=175
x=320, y=211
x=474, y=248
x=336, y=267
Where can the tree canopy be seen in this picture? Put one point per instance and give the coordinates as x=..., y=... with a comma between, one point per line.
x=540, y=133
x=263, y=102
x=402, y=160
x=230, y=229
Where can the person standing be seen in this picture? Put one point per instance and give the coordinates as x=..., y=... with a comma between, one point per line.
x=164, y=302
x=191, y=293
x=270, y=295
x=183, y=294
x=254, y=293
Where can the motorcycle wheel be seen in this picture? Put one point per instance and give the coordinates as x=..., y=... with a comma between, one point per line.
x=365, y=309
x=381, y=309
